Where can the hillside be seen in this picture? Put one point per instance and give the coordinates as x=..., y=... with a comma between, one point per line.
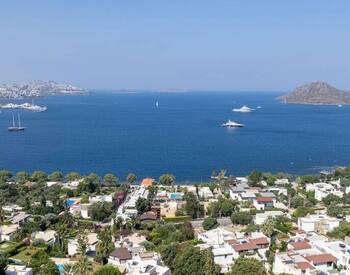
x=317, y=93
x=36, y=89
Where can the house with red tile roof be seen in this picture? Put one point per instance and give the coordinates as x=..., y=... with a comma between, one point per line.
x=146, y=182
x=299, y=245
x=322, y=259
x=261, y=203
x=310, y=261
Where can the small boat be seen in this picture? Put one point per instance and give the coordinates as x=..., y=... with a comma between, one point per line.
x=231, y=124
x=15, y=128
x=157, y=104
x=259, y=107
x=243, y=109
x=340, y=105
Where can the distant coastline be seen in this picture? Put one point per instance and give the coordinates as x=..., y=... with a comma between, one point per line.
x=38, y=89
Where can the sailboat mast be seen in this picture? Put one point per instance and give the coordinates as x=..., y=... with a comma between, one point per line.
x=13, y=120
x=19, y=121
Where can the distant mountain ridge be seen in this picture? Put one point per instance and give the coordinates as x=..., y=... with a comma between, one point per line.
x=36, y=89
x=317, y=93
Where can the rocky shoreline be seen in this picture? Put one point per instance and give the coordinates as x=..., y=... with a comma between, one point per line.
x=38, y=89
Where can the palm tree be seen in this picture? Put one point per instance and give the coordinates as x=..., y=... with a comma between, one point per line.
x=119, y=222
x=268, y=227
x=2, y=215
x=133, y=222
x=68, y=269
x=83, y=266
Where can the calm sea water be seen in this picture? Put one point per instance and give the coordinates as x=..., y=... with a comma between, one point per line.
x=122, y=133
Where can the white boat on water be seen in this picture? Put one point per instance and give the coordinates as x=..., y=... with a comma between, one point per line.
x=231, y=124
x=243, y=109
x=15, y=128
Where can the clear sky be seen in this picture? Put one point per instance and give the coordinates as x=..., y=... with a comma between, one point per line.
x=170, y=44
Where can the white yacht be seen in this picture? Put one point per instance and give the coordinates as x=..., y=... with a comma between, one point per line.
x=243, y=109
x=15, y=128
x=231, y=124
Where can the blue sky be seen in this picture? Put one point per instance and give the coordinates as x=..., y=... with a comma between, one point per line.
x=197, y=44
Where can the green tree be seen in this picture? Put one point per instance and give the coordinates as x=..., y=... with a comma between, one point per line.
x=56, y=176
x=345, y=182
x=191, y=260
x=193, y=207
x=68, y=269
x=255, y=177
x=243, y=218
x=209, y=267
x=62, y=236
x=331, y=199
x=143, y=205
x=92, y=182
x=168, y=254
x=107, y=270
x=335, y=210
x=39, y=176
x=72, y=176
x=268, y=227
x=5, y=175
x=105, y=245
x=214, y=209
x=101, y=211
x=248, y=266
x=228, y=207
x=166, y=179
x=302, y=211
x=297, y=201
x=131, y=178
x=346, y=198
x=42, y=264
x=110, y=179
x=3, y=263
x=310, y=195
x=210, y=223
x=22, y=177
x=2, y=215
x=152, y=192
x=341, y=231
x=302, y=180
x=82, y=243
x=83, y=266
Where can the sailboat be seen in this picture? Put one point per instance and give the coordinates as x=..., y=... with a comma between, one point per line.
x=14, y=128
x=157, y=103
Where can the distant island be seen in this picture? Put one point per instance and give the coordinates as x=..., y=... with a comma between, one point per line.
x=37, y=89
x=317, y=93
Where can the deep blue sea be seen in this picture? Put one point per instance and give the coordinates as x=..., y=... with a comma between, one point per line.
x=121, y=133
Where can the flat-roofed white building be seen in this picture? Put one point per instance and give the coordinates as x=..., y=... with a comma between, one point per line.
x=319, y=223
x=7, y=232
x=322, y=190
